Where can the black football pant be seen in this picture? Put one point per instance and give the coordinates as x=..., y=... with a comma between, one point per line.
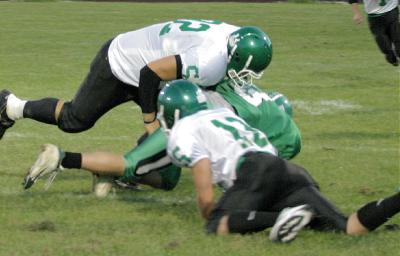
x=266, y=183
x=98, y=93
x=386, y=30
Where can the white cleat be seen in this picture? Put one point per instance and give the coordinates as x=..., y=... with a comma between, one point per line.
x=290, y=221
x=102, y=185
x=48, y=162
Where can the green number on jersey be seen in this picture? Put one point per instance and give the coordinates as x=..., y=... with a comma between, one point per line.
x=191, y=71
x=258, y=138
x=252, y=94
x=190, y=25
x=182, y=159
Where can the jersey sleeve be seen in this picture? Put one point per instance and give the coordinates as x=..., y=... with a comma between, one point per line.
x=184, y=148
x=205, y=67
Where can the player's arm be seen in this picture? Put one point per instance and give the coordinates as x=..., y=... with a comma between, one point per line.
x=165, y=69
x=357, y=17
x=202, y=178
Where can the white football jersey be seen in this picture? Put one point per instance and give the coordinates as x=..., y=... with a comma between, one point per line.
x=201, y=44
x=379, y=6
x=218, y=135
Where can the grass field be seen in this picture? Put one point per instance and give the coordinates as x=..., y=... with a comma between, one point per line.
x=346, y=102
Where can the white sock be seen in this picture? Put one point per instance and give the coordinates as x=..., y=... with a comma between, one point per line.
x=15, y=107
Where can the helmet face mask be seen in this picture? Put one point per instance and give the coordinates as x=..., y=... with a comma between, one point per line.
x=249, y=53
x=245, y=76
x=179, y=99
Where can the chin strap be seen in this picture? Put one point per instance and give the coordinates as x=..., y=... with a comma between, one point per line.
x=163, y=123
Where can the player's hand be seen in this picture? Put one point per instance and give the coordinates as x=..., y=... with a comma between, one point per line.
x=151, y=127
x=357, y=18
x=150, y=122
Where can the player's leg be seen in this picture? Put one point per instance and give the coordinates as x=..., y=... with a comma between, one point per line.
x=394, y=29
x=146, y=164
x=326, y=217
x=53, y=159
x=245, y=207
x=99, y=92
x=378, y=28
x=373, y=214
x=12, y=108
x=149, y=164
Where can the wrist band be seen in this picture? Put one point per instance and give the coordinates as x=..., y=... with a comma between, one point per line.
x=149, y=122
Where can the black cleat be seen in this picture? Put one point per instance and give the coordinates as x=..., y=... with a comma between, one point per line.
x=5, y=122
x=392, y=59
x=127, y=185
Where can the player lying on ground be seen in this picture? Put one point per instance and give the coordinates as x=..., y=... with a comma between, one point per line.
x=131, y=66
x=223, y=149
x=262, y=190
x=149, y=164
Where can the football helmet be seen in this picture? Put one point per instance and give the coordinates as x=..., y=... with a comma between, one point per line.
x=178, y=99
x=249, y=53
x=282, y=101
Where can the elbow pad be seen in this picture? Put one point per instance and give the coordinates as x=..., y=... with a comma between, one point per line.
x=149, y=83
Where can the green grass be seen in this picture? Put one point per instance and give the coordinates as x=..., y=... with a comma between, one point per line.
x=346, y=100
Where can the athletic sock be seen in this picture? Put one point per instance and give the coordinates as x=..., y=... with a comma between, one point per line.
x=15, y=107
x=72, y=160
x=41, y=110
x=250, y=221
x=374, y=214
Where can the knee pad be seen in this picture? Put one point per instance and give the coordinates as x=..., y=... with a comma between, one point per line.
x=70, y=122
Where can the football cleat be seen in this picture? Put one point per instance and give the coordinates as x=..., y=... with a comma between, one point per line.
x=48, y=162
x=5, y=122
x=290, y=221
x=102, y=185
x=127, y=185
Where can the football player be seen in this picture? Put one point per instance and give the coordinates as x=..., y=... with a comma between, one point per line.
x=131, y=67
x=149, y=164
x=383, y=21
x=262, y=190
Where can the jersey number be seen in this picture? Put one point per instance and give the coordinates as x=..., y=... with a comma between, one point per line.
x=190, y=25
x=180, y=158
x=258, y=137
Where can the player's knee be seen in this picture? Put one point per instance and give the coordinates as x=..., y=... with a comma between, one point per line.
x=354, y=226
x=69, y=121
x=170, y=177
x=216, y=222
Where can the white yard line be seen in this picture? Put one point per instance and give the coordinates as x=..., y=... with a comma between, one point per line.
x=324, y=106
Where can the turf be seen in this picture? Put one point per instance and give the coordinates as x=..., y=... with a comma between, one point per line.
x=346, y=102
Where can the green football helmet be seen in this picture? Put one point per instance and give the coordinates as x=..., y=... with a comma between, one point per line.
x=178, y=99
x=282, y=101
x=249, y=53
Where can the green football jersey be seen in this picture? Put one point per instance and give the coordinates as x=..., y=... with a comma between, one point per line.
x=261, y=112
x=250, y=103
